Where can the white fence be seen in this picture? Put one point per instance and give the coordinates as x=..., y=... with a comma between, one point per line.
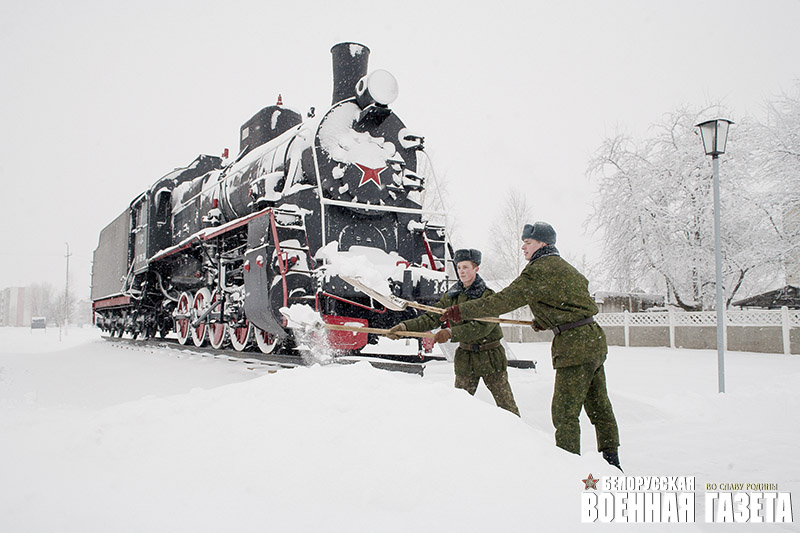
x=766, y=322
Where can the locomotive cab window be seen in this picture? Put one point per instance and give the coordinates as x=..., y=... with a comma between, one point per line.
x=163, y=202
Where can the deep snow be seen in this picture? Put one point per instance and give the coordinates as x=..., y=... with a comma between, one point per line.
x=98, y=438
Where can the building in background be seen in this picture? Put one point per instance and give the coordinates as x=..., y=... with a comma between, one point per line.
x=788, y=295
x=15, y=307
x=632, y=302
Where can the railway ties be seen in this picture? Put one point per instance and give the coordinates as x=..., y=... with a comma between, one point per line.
x=271, y=362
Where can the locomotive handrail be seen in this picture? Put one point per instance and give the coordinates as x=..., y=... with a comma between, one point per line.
x=207, y=234
x=375, y=207
x=351, y=302
x=429, y=251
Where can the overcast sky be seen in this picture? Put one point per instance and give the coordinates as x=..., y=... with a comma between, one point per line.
x=99, y=99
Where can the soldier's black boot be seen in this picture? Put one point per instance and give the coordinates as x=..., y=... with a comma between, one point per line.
x=612, y=457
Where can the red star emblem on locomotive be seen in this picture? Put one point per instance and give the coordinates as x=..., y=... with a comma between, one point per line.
x=591, y=483
x=370, y=174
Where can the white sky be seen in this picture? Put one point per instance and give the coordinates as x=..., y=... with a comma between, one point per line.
x=100, y=99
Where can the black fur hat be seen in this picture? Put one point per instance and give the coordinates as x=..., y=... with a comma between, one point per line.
x=466, y=254
x=539, y=231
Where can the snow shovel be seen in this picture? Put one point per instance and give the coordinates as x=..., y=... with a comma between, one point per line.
x=340, y=327
x=395, y=303
x=305, y=318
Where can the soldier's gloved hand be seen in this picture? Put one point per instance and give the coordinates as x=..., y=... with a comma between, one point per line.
x=392, y=333
x=537, y=327
x=452, y=313
x=443, y=335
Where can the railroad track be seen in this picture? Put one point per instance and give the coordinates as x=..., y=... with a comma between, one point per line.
x=275, y=362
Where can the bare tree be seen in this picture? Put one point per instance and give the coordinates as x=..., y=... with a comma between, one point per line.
x=505, y=261
x=437, y=196
x=57, y=308
x=42, y=295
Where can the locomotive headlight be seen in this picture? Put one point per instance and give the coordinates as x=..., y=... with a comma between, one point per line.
x=379, y=87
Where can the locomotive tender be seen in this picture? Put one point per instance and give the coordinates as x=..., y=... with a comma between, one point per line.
x=213, y=251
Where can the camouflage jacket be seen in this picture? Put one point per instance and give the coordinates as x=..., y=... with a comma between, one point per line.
x=467, y=363
x=557, y=294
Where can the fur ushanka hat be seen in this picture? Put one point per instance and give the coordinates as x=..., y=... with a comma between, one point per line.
x=467, y=254
x=539, y=231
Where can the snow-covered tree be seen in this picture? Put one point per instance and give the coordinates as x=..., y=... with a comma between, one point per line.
x=779, y=163
x=655, y=210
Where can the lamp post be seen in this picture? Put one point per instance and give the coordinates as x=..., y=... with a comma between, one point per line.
x=715, y=137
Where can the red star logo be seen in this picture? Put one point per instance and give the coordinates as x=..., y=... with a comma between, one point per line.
x=370, y=174
x=591, y=483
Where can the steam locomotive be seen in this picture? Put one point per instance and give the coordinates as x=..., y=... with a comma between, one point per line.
x=213, y=251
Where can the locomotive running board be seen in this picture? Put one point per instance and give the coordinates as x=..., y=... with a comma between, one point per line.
x=395, y=303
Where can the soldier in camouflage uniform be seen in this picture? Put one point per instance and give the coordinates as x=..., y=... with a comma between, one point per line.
x=559, y=297
x=479, y=353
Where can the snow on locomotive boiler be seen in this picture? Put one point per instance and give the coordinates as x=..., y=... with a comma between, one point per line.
x=213, y=251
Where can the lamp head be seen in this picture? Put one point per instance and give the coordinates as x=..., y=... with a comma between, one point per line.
x=715, y=135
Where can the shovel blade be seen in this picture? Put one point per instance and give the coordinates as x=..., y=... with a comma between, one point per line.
x=389, y=301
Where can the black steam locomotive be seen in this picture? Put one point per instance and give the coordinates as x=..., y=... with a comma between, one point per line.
x=213, y=251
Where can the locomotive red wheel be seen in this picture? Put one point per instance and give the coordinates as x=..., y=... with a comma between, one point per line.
x=182, y=317
x=267, y=342
x=202, y=299
x=217, y=331
x=240, y=337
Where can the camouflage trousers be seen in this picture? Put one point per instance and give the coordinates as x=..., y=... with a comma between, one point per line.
x=498, y=385
x=583, y=386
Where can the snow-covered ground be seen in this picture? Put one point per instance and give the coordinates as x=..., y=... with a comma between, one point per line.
x=95, y=437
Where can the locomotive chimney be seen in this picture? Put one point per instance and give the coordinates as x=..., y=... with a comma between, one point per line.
x=349, y=65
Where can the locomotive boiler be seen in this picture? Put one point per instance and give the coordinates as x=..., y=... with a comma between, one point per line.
x=214, y=250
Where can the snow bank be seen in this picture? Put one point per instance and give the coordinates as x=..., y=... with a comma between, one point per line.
x=327, y=448
x=99, y=438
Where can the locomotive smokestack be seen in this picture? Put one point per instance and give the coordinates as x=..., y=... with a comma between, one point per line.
x=350, y=62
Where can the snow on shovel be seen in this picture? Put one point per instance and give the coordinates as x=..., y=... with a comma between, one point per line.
x=395, y=303
x=304, y=318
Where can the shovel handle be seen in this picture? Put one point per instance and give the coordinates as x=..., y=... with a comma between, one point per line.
x=396, y=303
x=440, y=311
x=360, y=329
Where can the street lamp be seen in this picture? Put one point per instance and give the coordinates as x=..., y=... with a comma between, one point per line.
x=715, y=137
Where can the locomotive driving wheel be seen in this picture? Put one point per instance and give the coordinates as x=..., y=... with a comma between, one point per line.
x=267, y=342
x=182, y=317
x=217, y=330
x=240, y=336
x=202, y=299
